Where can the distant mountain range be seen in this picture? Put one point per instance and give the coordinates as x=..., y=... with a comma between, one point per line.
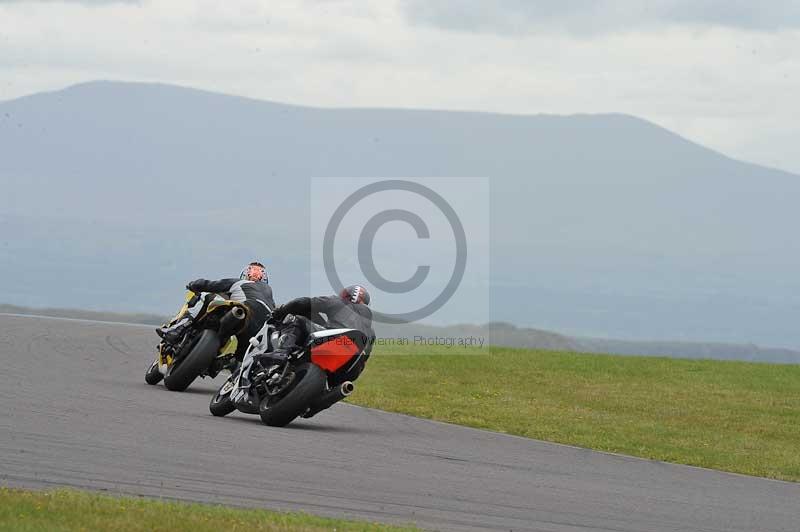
x=606, y=226
x=498, y=334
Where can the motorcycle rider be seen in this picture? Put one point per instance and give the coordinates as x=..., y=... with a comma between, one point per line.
x=251, y=288
x=303, y=316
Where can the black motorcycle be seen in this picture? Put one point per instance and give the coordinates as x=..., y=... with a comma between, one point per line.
x=308, y=381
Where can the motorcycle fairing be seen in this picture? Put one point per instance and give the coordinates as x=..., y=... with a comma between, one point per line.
x=230, y=347
x=259, y=344
x=332, y=349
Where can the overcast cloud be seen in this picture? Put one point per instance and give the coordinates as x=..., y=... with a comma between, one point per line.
x=96, y=3
x=600, y=16
x=725, y=74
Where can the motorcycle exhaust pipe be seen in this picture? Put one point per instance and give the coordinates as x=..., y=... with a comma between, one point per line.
x=347, y=388
x=232, y=321
x=330, y=398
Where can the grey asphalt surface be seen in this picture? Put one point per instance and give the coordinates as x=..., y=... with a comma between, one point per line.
x=76, y=412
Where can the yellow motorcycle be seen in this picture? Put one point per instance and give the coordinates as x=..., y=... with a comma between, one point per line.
x=205, y=348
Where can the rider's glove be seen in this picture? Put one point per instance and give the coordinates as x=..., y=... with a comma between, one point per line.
x=193, y=286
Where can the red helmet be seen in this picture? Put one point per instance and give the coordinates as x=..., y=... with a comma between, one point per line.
x=355, y=294
x=255, y=272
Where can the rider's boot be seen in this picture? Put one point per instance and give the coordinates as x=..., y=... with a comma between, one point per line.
x=278, y=356
x=287, y=345
x=173, y=333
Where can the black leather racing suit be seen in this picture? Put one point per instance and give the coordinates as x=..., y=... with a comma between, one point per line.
x=256, y=296
x=304, y=315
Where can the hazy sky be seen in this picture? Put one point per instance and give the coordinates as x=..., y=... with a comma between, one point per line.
x=725, y=73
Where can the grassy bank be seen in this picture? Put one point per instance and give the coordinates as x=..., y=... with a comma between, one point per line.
x=70, y=510
x=735, y=416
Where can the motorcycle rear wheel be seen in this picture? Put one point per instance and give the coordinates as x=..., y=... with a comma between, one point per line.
x=180, y=375
x=310, y=384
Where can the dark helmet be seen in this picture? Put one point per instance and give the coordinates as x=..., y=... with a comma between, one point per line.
x=255, y=272
x=355, y=294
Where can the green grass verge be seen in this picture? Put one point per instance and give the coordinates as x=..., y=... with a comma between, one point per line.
x=76, y=511
x=735, y=416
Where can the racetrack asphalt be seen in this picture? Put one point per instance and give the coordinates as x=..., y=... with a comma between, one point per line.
x=76, y=412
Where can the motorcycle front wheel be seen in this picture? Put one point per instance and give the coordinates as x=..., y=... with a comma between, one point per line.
x=221, y=404
x=153, y=375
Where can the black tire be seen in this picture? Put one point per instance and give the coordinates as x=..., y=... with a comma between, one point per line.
x=202, y=354
x=153, y=375
x=221, y=404
x=296, y=401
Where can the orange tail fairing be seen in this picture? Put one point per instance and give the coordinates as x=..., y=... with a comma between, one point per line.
x=334, y=353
